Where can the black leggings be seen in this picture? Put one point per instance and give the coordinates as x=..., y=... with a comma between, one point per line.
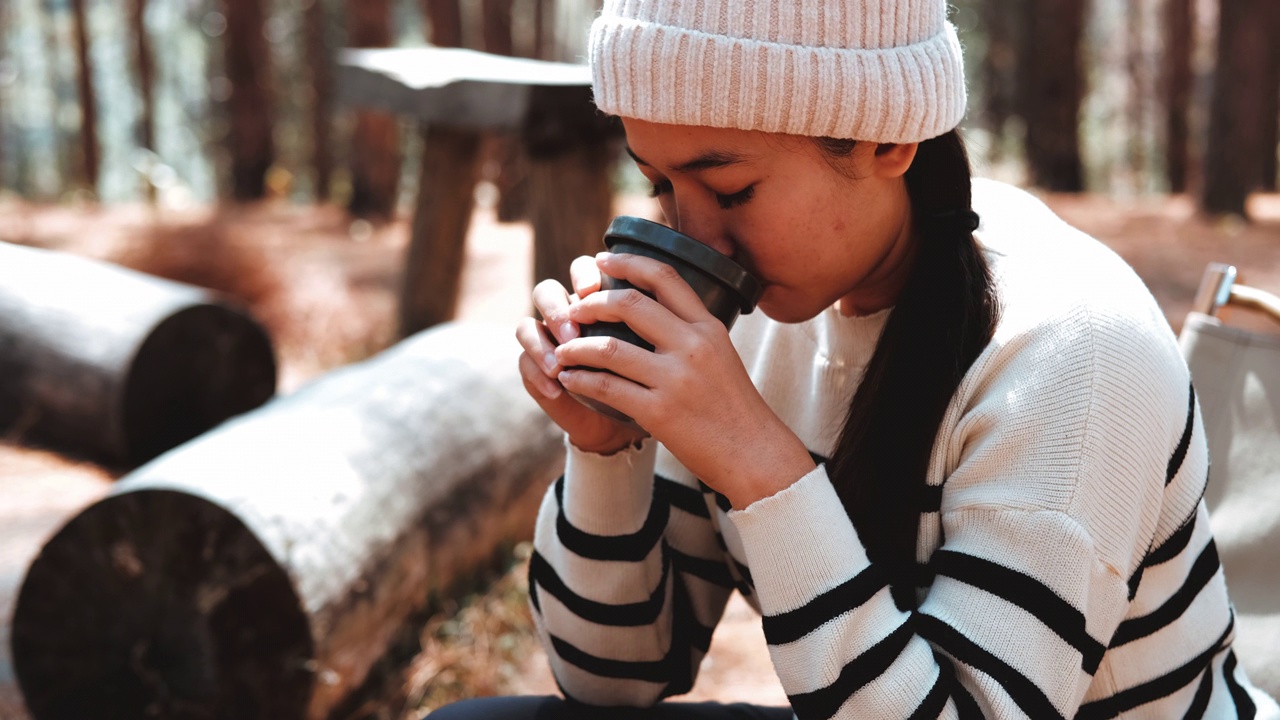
x=553, y=708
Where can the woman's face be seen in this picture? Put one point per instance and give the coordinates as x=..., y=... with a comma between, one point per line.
x=815, y=231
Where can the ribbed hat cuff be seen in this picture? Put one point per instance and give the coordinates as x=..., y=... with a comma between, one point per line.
x=673, y=75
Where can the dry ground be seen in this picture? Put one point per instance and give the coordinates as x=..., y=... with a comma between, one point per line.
x=326, y=289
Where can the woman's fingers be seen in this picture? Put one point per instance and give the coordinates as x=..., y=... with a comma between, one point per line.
x=617, y=356
x=551, y=301
x=532, y=336
x=536, y=381
x=658, y=278
x=584, y=274
x=646, y=316
x=617, y=392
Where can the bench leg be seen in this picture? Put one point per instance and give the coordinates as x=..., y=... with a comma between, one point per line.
x=570, y=205
x=437, y=246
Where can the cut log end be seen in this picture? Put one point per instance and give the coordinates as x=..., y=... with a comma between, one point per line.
x=191, y=618
x=197, y=368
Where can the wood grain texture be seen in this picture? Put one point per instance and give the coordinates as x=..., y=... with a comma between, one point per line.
x=262, y=570
x=118, y=366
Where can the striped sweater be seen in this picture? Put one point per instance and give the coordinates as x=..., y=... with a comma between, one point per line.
x=1067, y=568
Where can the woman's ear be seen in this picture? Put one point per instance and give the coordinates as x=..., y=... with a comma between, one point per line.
x=892, y=160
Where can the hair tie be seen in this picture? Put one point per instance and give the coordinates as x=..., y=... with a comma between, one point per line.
x=949, y=221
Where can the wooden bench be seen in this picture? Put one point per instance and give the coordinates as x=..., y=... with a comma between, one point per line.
x=457, y=96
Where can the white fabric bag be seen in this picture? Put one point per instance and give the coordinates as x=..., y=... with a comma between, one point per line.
x=1237, y=379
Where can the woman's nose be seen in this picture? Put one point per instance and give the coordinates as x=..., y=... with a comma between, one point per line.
x=706, y=228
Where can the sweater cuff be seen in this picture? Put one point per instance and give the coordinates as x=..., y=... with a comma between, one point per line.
x=609, y=494
x=801, y=540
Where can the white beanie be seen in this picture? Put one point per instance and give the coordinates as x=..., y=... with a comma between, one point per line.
x=876, y=70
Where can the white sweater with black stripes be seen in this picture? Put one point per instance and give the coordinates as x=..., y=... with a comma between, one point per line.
x=1073, y=573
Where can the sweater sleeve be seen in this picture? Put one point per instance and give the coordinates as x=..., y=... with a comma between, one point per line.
x=1058, y=470
x=627, y=579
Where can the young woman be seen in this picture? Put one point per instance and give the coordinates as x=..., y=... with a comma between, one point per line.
x=954, y=458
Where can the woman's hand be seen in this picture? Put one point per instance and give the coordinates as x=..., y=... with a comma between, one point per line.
x=539, y=368
x=692, y=392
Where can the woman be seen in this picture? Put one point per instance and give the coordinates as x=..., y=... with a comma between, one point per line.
x=956, y=463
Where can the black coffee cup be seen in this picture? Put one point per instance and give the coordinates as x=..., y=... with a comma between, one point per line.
x=725, y=288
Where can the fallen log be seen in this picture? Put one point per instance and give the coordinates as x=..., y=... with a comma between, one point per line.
x=114, y=365
x=258, y=572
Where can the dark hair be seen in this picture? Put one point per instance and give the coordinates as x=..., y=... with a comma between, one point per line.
x=944, y=317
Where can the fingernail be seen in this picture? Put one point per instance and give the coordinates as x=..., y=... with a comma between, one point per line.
x=549, y=362
x=604, y=256
x=568, y=331
x=551, y=389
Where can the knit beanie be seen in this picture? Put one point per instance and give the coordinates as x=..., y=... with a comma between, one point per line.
x=876, y=70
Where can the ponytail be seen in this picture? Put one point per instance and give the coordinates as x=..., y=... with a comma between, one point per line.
x=944, y=317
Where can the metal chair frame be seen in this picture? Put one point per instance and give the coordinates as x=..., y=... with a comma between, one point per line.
x=1218, y=288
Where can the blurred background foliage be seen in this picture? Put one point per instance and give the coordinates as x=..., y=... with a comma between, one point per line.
x=196, y=101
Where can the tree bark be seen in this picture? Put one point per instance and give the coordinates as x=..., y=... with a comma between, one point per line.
x=1053, y=91
x=1271, y=105
x=1238, y=112
x=4, y=98
x=999, y=69
x=251, y=106
x=144, y=66
x=375, y=141
x=503, y=150
x=1178, y=50
x=1140, y=90
x=259, y=572
x=320, y=64
x=445, y=20
x=106, y=363
x=543, y=29
x=89, y=148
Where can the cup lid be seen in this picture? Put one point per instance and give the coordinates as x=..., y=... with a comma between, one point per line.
x=700, y=255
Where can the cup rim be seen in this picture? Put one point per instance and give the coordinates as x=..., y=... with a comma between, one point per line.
x=675, y=243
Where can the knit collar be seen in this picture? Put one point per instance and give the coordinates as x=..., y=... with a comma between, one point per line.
x=846, y=341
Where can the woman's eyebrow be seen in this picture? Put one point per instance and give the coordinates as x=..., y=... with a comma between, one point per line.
x=705, y=161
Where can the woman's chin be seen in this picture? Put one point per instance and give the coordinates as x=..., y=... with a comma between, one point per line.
x=785, y=312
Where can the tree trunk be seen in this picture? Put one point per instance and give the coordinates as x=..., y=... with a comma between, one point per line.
x=1178, y=49
x=64, y=155
x=497, y=27
x=1238, y=111
x=251, y=106
x=503, y=149
x=999, y=69
x=320, y=64
x=145, y=69
x=4, y=97
x=1271, y=105
x=375, y=141
x=1053, y=92
x=445, y=20
x=89, y=148
x=259, y=572
x=124, y=380
x=1140, y=92
x=543, y=28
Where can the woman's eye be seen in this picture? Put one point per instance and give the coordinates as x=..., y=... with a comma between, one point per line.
x=736, y=199
x=660, y=188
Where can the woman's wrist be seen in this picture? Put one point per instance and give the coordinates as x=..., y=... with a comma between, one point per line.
x=780, y=466
x=609, y=446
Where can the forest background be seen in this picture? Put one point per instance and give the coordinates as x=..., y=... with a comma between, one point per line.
x=203, y=140
x=204, y=100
